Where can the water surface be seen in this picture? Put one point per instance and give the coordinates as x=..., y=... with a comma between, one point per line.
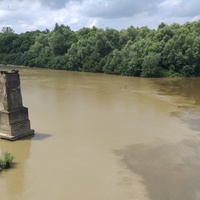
x=106, y=137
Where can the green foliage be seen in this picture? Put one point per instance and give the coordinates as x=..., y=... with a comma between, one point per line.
x=6, y=160
x=7, y=30
x=150, y=65
x=171, y=50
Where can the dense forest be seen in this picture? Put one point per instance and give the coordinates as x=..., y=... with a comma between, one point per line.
x=171, y=50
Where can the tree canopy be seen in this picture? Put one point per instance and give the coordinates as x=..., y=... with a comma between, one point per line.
x=171, y=50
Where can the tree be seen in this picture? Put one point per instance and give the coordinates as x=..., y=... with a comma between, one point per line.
x=57, y=44
x=74, y=61
x=171, y=50
x=103, y=45
x=150, y=65
x=114, y=64
x=7, y=30
x=130, y=34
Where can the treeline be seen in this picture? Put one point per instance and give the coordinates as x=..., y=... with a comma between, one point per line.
x=171, y=50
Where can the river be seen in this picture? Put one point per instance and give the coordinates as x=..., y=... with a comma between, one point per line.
x=104, y=137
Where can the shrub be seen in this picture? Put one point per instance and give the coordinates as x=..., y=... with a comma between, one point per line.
x=6, y=160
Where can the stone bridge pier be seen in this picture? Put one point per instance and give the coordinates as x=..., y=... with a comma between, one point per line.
x=14, y=120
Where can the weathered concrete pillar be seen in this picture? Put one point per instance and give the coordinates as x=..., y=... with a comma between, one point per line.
x=14, y=121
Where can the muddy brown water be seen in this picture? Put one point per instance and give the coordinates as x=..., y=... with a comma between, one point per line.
x=106, y=137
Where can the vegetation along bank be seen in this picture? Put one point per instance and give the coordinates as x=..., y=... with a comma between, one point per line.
x=171, y=50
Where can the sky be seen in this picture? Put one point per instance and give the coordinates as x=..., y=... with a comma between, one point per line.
x=31, y=15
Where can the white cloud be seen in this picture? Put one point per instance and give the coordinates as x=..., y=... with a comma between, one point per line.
x=187, y=8
x=117, y=9
x=170, y=3
x=26, y=15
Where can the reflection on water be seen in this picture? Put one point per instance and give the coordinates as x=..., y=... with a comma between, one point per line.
x=189, y=117
x=79, y=118
x=189, y=104
x=40, y=136
x=184, y=87
x=169, y=170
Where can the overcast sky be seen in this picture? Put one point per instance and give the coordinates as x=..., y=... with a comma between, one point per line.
x=29, y=15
